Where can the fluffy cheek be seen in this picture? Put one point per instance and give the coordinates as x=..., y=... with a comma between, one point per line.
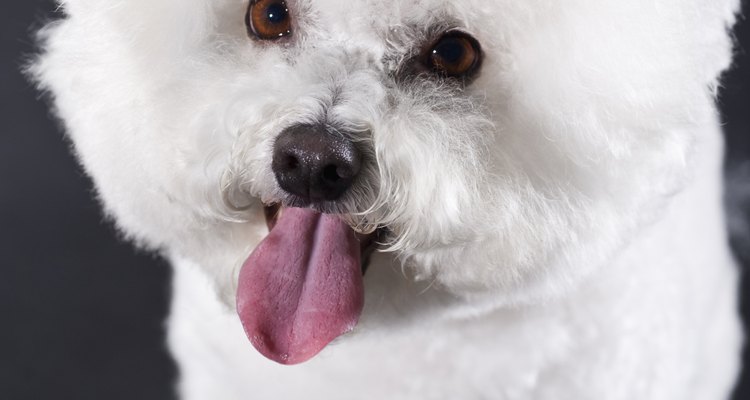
x=561, y=179
x=432, y=157
x=590, y=136
x=530, y=229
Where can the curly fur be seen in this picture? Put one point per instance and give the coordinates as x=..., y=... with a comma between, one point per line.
x=546, y=222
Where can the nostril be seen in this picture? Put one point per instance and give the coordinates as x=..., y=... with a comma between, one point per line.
x=291, y=162
x=331, y=174
x=335, y=174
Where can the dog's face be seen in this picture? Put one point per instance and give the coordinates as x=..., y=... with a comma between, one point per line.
x=498, y=150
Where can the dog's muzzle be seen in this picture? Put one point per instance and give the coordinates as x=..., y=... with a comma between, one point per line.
x=302, y=286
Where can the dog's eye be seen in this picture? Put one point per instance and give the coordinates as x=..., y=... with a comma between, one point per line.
x=456, y=54
x=268, y=19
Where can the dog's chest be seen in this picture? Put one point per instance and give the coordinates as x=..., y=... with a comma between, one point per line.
x=398, y=352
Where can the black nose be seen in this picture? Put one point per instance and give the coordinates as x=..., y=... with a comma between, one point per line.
x=314, y=164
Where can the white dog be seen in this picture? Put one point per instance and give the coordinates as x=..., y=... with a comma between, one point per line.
x=540, y=180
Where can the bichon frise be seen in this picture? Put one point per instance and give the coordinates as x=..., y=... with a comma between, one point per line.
x=417, y=199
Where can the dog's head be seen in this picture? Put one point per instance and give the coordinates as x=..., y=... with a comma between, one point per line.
x=498, y=150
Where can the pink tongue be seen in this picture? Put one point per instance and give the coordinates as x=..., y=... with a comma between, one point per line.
x=301, y=287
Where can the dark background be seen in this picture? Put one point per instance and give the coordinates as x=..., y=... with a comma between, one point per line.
x=82, y=315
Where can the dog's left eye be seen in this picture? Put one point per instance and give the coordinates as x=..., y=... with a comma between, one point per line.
x=456, y=54
x=268, y=19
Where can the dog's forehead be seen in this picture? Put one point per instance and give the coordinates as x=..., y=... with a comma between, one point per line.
x=374, y=10
x=378, y=16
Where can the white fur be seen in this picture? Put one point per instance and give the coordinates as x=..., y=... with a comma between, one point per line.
x=556, y=226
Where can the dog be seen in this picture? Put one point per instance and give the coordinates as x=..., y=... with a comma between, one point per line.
x=423, y=199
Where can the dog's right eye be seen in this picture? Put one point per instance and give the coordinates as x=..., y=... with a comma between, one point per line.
x=268, y=19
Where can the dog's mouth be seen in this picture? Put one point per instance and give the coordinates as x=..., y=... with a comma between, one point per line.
x=302, y=285
x=368, y=242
